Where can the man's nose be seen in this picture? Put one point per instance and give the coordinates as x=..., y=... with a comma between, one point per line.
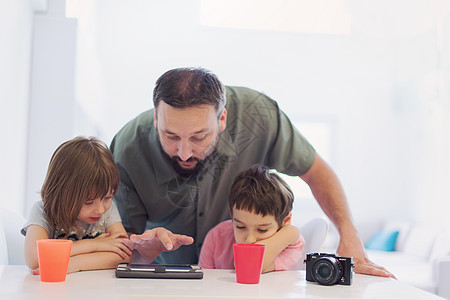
x=184, y=150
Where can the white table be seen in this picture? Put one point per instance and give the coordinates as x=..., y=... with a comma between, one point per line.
x=16, y=282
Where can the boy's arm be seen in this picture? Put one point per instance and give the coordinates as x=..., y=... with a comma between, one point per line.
x=34, y=233
x=287, y=235
x=95, y=261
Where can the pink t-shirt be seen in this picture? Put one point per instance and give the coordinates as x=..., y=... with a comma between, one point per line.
x=217, y=250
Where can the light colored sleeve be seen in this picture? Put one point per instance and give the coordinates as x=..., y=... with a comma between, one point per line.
x=292, y=153
x=206, y=260
x=37, y=217
x=113, y=215
x=290, y=256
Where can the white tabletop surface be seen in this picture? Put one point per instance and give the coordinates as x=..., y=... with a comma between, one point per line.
x=16, y=282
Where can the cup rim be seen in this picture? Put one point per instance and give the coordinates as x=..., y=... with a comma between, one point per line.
x=248, y=245
x=45, y=241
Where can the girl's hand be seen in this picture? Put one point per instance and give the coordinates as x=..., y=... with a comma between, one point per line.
x=35, y=271
x=113, y=242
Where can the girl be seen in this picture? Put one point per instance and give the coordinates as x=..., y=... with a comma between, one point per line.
x=77, y=205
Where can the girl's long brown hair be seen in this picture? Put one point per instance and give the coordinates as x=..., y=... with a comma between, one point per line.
x=81, y=169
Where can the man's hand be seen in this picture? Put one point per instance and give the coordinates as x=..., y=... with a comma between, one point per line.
x=353, y=247
x=330, y=195
x=154, y=241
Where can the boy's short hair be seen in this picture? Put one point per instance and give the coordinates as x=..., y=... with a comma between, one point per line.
x=263, y=192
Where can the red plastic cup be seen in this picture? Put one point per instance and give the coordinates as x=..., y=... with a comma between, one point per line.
x=53, y=257
x=248, y=261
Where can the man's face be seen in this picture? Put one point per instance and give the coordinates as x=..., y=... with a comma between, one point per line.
x=188, y=135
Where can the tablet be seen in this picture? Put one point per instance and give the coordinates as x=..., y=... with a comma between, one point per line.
x=168, y=271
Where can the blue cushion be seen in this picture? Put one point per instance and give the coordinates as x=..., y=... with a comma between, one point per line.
x=383, y=240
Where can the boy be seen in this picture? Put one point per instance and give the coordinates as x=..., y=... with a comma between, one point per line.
x=260, y=205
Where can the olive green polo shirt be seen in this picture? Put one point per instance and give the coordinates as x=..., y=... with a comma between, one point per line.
x=151, y=194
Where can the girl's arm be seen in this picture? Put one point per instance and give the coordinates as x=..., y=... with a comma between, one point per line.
x=117, y=228
x=95, y=261
x=111, y=241
x=102, y=260
x=34, y=233
x=287, y=235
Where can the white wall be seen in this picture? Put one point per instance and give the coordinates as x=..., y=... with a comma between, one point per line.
x=381, y=80
x=383, y=84
x=15, y=51
x=52, y=105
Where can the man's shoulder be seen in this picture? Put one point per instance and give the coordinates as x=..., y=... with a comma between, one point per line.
x=142, y=121
x=248, y=101
x=132, y=131
x=241, y=93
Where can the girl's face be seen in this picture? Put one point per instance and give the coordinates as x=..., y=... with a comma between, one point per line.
x=92, y=210
x=249, y=227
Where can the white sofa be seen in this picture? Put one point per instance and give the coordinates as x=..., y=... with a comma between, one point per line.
x=11, y=240
x=421, y=257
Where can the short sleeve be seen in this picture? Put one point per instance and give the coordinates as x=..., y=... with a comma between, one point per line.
x=290, y=256
x=292, y=153
x=217, y=248
x=260, y=132
x=113, y=215
x=206, y=260
x=37, y=217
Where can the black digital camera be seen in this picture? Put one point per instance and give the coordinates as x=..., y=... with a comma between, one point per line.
x=328, y=269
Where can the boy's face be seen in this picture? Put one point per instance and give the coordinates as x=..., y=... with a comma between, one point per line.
x=249, y=227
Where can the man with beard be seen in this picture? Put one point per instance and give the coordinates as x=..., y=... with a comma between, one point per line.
x=177, y=163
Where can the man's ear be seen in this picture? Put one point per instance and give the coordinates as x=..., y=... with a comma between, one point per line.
x=288, y=219
x=223, y=120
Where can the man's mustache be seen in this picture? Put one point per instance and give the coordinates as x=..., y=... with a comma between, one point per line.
x=190, y=159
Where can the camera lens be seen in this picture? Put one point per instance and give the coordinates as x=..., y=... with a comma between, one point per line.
x=326, y=270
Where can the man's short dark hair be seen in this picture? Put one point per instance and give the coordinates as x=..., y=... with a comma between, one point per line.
x=263, y=192
x=189, y=87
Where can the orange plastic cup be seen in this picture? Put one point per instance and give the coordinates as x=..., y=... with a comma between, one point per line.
x=53, y=257
x=248, y=261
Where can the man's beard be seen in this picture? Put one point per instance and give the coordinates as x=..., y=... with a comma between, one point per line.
x=174, y=160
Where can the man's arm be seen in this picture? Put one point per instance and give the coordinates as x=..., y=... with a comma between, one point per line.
x=330, y=195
